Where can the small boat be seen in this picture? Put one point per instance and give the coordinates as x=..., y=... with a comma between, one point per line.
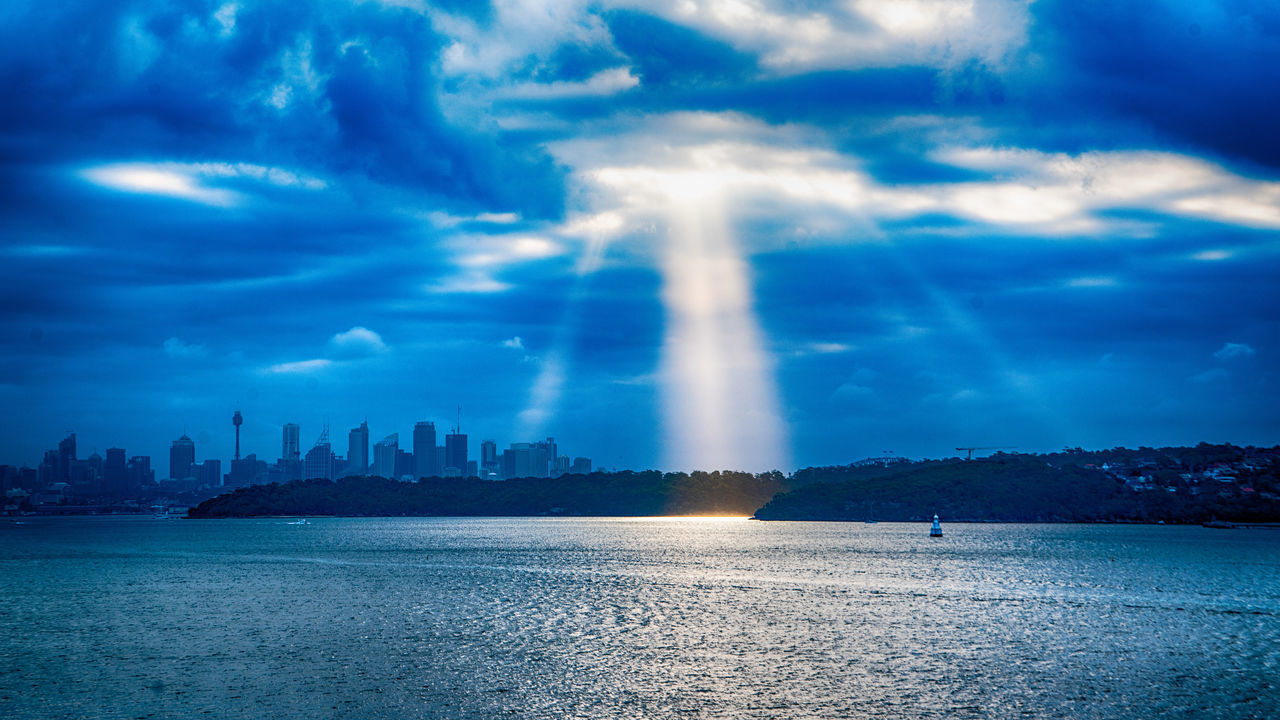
x=936, y=530
x=299, y=521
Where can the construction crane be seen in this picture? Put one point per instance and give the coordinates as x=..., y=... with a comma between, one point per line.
x=989, y=447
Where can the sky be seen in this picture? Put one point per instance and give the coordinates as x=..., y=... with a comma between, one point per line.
x=747, y=234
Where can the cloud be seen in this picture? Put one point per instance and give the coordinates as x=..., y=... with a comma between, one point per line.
x=791, y=38
x=603, y=83
x=193, y=181
x=144, y=179
x=175, y=348
x=301, y=367
x=1234, y=351
x=1195, y=75
x=853, y=391
x=1211, y=376
x=514, y=343
x=358, y=342
x=785, y=175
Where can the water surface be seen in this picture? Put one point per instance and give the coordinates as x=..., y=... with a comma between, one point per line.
x=609, y=618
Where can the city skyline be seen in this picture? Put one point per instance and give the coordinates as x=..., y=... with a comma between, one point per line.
x=758, y=235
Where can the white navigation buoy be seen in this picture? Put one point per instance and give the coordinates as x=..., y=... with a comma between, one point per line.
x=936, y=530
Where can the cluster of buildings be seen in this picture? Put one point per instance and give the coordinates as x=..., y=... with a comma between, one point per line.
x=61, y=475
x=421, y=457
x=1225, y=479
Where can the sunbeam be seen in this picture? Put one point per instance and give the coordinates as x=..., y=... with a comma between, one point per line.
x=720, y=399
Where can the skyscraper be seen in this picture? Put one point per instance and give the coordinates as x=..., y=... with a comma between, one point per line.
x=455, y=452
x=290, y=448
x=140, y=472
x=489, y=463
x=424, y=450
x=384, y=456
x=358, y=450
x=182, y=455
x=66, y=458
x=115, y=472
x=319, y=460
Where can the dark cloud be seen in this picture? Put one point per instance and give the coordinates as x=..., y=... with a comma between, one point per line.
x=668, y=56
x=913, y=333
x=356, y=97
x=1199, y=75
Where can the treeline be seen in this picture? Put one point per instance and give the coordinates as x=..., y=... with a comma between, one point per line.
x=600, y=493
x=1180, y=485
x=1144, y=485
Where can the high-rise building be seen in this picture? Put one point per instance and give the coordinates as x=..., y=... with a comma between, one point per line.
x=66, y=458
x=115, y=473
x=290, y=447
x=489, y=463
x=208, y=473
x=455, y=452
x=581, y=466
x=533, y=460
x=404, y=465
x=140, y=472
x=47, y=473
x=561, y=466
x=247, y=471
x=182, y=455
x=319, y=461
x=358, y=450
x=424, y=450
x=384, y=456
x=548, y=452
x=517, y=461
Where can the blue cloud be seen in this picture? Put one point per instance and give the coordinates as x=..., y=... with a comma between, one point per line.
x=1197, y=74
x=189, y=202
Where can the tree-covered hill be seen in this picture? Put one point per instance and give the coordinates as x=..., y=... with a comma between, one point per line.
x=1190, y=484
x=620, y=493
x=1196, y=484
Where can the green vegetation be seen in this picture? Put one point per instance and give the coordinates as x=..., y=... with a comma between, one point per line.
x=620, y=493
x=1181, y=485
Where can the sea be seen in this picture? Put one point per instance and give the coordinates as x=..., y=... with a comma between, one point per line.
x=137, y=617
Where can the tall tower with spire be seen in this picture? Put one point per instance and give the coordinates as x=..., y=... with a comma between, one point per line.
x=237, y=421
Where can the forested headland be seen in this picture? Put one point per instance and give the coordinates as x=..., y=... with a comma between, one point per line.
x=1176, y=485
x=600, y=493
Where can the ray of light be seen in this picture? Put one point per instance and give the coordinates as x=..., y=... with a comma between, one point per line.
x=720, y=399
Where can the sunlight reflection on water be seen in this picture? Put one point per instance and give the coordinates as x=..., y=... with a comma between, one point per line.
x=603, y=618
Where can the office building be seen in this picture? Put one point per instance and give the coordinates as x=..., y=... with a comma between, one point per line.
x=140, y=472
x=581, y=466
x=490, y=464
x=290, y=448
x=248, y=471
x=208, y=473
x=455, y=453
x=424, y=450
x=358, y=450
x=560, y=466
x=115, y=473
x=182, y=455
x=404, y=465
x=319, y=461
x=66, y=458
x=384, y=456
